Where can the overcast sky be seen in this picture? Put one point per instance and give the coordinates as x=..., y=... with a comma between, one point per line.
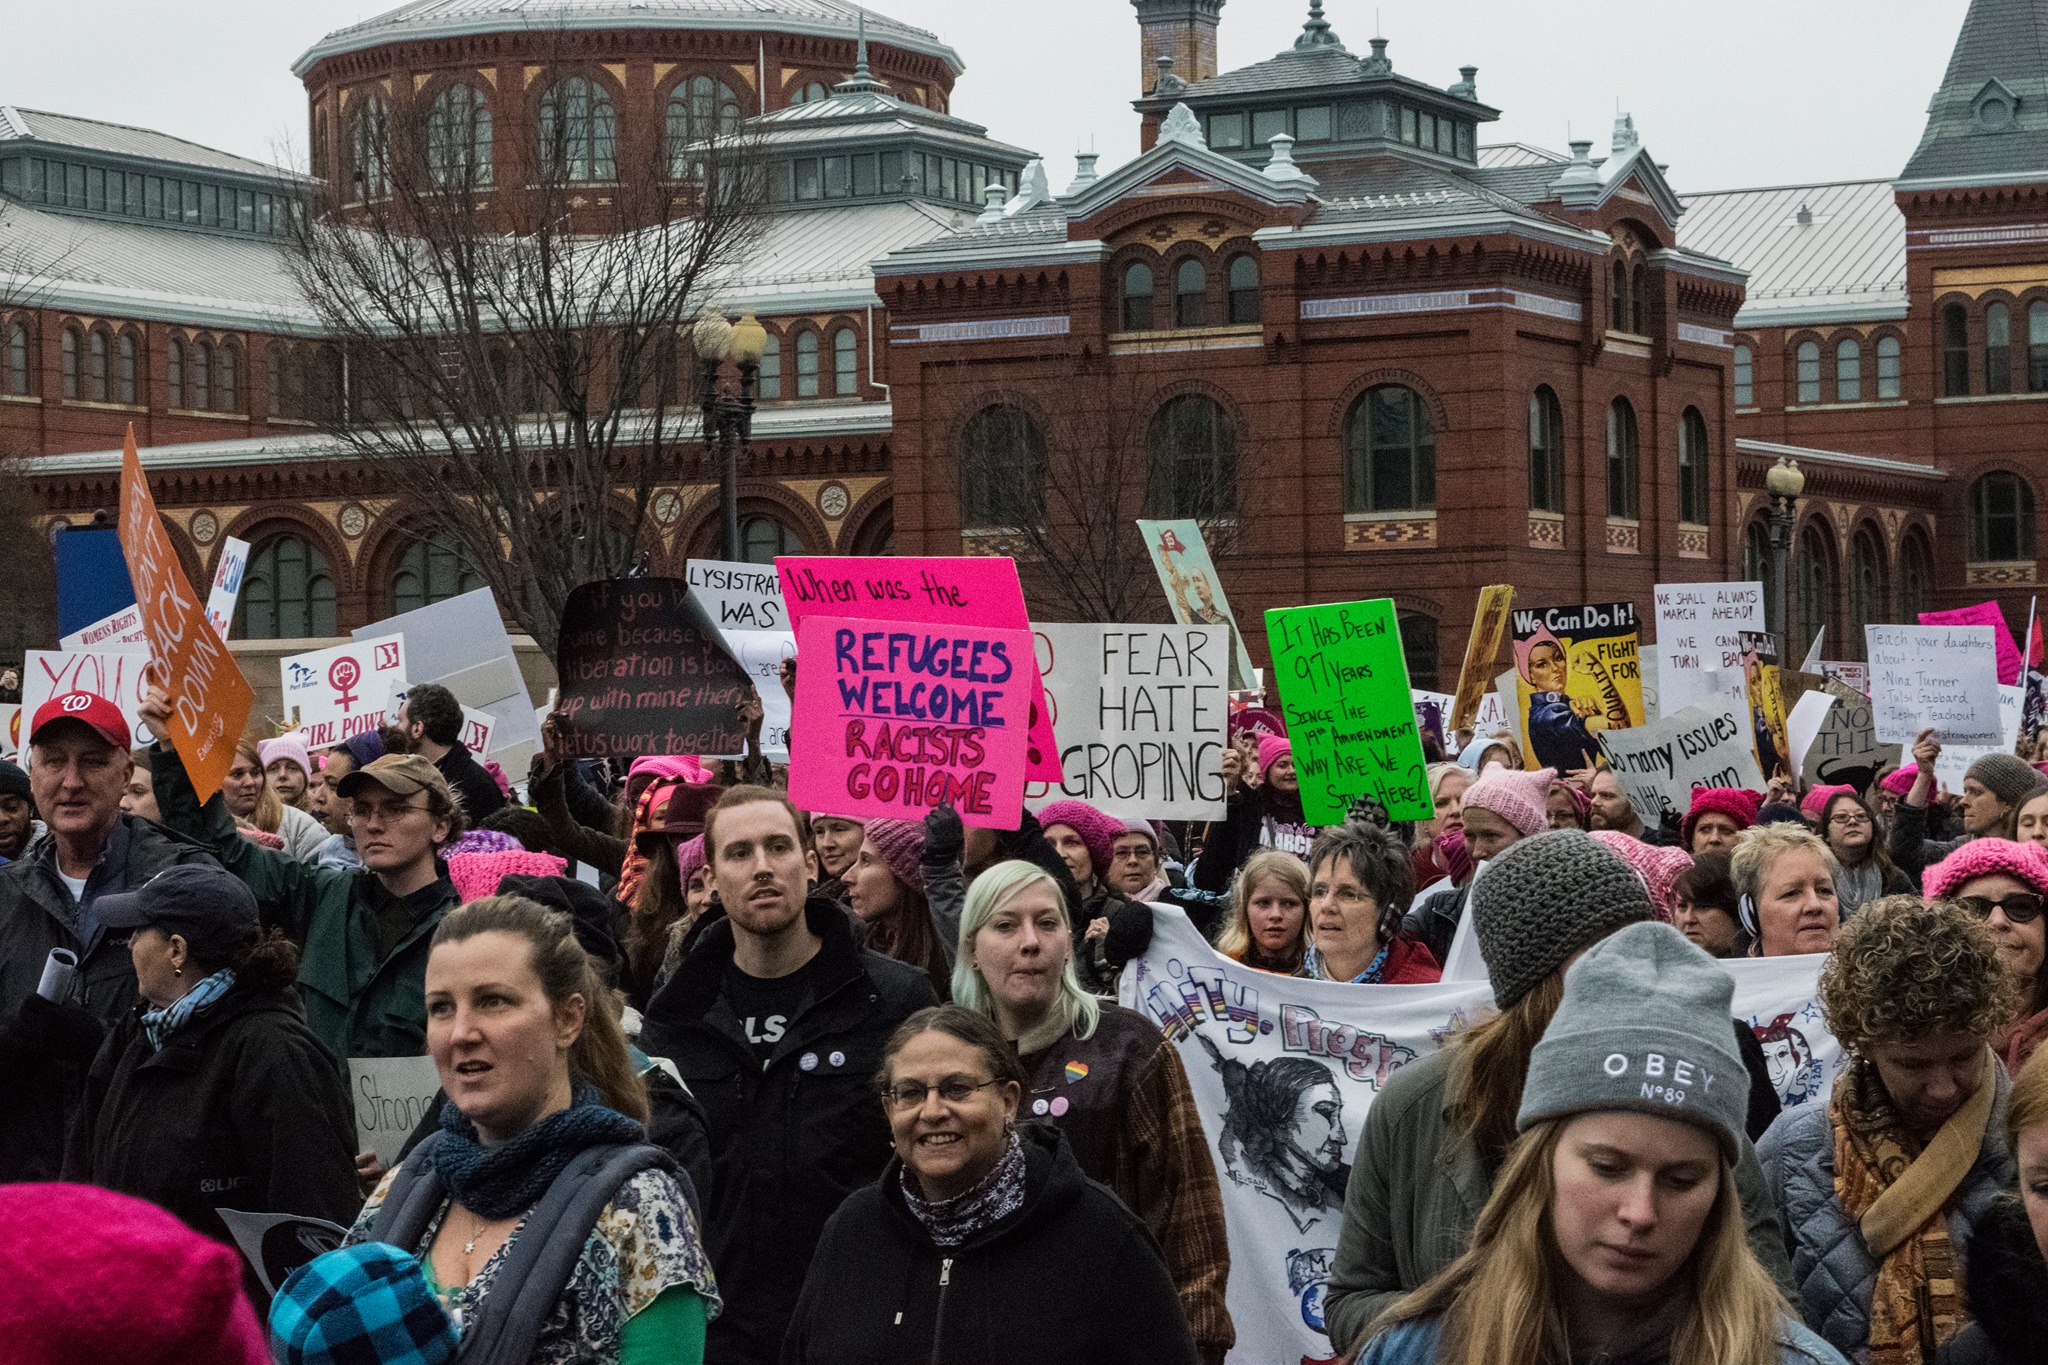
x=1731, y=93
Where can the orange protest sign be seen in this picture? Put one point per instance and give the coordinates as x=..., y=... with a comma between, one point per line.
x=210, y=700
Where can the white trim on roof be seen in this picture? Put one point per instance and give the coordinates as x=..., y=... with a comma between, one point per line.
x=1872, y=464
x=1961, y=182
x=1400, y=229
x=1699, y=263
x=1821, y=310
x=1001, y=255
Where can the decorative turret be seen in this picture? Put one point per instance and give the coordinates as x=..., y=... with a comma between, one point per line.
x=1989, y=121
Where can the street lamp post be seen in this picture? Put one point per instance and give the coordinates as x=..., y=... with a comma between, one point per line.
x=1785, y=482
x=728, y=413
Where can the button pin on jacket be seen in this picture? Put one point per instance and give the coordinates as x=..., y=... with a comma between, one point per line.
x=809, y=1061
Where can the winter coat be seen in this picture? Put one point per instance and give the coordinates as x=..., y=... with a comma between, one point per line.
x=565, y=802
x=1912, y=851
x=2005, y=1286
x=1434, y=921
x=1415, y=1343
x=357, y=1004
x=40, y=1084
x=1416, y=1189
x=302, y=834
x=1409, y=963
x=1072, y=1277
x=472, y=783
x=789, y=1139
x=242, y=1109
x=1833, y=1272
x=1243, y=831
x=1130, y=933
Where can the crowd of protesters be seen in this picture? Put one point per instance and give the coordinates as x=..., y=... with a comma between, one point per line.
x=727, y=1080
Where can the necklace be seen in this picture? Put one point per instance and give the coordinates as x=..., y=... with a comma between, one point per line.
x=469, y=1247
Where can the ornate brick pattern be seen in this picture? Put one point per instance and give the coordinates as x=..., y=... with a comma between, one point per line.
x=1403, y=534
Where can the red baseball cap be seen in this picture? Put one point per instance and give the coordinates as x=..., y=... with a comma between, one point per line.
x=96, y=712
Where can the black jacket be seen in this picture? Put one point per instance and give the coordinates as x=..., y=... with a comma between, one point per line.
x=1434, y=919
x=2005, y=1286
x=791, y=1139
x=38, y=1085
x=242, y=1109
x=1072, y=1277
x=477, y=788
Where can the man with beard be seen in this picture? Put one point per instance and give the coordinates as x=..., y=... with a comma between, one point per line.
x=430, y=724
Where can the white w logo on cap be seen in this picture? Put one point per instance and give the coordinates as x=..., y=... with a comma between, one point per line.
x=77, y=701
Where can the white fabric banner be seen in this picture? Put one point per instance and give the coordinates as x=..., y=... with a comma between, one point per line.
x=1284, y=1070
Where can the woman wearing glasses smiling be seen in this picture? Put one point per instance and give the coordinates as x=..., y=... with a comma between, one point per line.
x=2003, y=883
x=982, y=1242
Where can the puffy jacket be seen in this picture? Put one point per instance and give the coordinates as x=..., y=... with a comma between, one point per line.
x=1434, y=920
x=2005, y=1286
x=1833, y=1272
x=1071, y=1277
x=791, y=1138
x=1414, y=1343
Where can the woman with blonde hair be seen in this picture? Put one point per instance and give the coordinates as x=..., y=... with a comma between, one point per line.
x=1614, y=1231
x=1784, y=879
x=1268, y=927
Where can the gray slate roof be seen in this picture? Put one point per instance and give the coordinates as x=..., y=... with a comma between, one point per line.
x=2003, y=40
x=1288, y=71
x=118, y=139
x=1848, y=263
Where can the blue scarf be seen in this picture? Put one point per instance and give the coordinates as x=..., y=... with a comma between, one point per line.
x=159, y=1024
x=1313, y=968
x=510, y=1178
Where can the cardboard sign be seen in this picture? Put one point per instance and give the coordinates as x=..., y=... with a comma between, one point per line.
x=641, y=674
x=743, y=603
x=1985, y=614
x=1344, y=692
x=122, y=630
x=333, y=695
x=1576, y=678
x=899, y=716
x=227, y=585
x=1939, y=678
x=1765, y=697
x=119, y=676
x=391, y=1095
x=1194, y=590
x=1845, y=750
x=461, y=644
x=1699, y=628
x=210, y=699
x=1658, y=765
x=1482, y=654
x=1141, y=714
x=972, y=590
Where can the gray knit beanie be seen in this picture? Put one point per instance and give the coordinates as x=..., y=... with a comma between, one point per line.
x=1545, y=898
x=2009, y=778
x=1599, y=1052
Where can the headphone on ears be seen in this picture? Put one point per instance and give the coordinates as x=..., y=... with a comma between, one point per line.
x=1747, y=909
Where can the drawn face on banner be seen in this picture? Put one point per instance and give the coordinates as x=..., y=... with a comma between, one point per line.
x=1795, y=1075
x=1286, y=1137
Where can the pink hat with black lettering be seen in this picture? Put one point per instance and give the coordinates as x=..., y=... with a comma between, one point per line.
x=96, y=713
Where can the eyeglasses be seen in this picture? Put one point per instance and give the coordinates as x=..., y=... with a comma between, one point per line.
x=1848, y=818
x=1347, y=897
x=2020, y=907
x=953, y=1090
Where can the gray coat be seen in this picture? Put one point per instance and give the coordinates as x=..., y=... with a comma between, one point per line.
x=1832, y=1269
x=1416, y=1191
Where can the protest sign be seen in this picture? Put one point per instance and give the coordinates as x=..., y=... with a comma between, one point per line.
x=1658, y=765
x=1812, y=661
x=1845, y=750
x=899, y=716
x=743, y=605
x=210, y=700
x=1984, y=614
x=227, y=585
x=1940, y=678
x=1853, y=675
x=1482, y=654
x=1256, y=721
x=1765, y=701
x=1141, y=714
x=10, y=730
x=391, y=1095
x=95, y=595
x=276, y=1244
x=1433, y=712
x=1344, y=692
x=462, y=645
x=1954, y=762
x=119, y=676
x=1698, y=633
x=973, y=590
x=333, y=695
x=1803, y=725
x=1576, y=677
x=641, y=675
x=1194, y=590
x=1318, y=1054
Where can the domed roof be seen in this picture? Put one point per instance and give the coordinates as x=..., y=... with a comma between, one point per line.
x=451, y=18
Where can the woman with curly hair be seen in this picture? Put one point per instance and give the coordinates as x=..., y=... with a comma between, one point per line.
x=1878, y=1187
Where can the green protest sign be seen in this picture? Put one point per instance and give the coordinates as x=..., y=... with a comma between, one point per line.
x=1344, y=692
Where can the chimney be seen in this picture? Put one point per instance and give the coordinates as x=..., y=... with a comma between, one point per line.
x=1084, y=171
x=1184, y=30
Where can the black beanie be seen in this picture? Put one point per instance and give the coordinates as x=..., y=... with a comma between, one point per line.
x=13, y=781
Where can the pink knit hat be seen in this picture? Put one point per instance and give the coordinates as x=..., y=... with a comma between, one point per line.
x=688, y=767
x=901, y=844
x=1518, y=798
x=476, y=875
x=290, y=746
x=1099, y=831
x=1657, y=866
x=1899, y=781
x=2023, y=862
x=1272, y=748
x=689, y=858
x=84, y=1275
x=1738, y=805
x=1816, y=803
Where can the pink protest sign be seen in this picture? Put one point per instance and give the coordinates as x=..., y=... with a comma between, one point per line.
x=1984, y=614
x=894, y=717
x=976, y=590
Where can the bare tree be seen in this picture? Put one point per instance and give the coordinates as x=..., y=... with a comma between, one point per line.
x=29, y=269
x=506, y=319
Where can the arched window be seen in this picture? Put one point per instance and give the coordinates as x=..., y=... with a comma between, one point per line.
x=320, y=142
x=1745, y=377
x=1623, y=314
x=699, y=109
x=1759, y=565
x=1891, y=368
x=1639, y=299
x=1190, y=295
x=432, y=569
x=1193, y=451
x=845, y=362
x=2037, y=348
x=17, y=358
x=1998, y=349
x=763, y=537
x=1866, y=584
x=124, y=368
x=1807, y=372
x=1244, y=289
x=288, y=381
x=1624, y=462
x=807, y=364
x=1389, y=452
x=1955, y=351
x=1546, y=452
x=227, y=385
x=770, y=376
x=73, y=343
x=1002, y=469
x=1418, y=648
x=96, y=366
x=1694, y=509
x=199, y=377
x=1138, y=297
x=1916, y=578
x=459, y=137
x=287, y=593
x=369, y=145
x=1813, y=584
x=174, y=372
x=2001, y=518
x=578, y=131
x=1849, y=371
x=809, y=93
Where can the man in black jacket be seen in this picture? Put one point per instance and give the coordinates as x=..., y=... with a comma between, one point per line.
x=430, y=724
x=777, y=1021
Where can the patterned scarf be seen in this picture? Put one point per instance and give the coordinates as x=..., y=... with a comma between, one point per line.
x=1315, y=969
x=159, y=1024
x=993, y=1198
x=497, y=1182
